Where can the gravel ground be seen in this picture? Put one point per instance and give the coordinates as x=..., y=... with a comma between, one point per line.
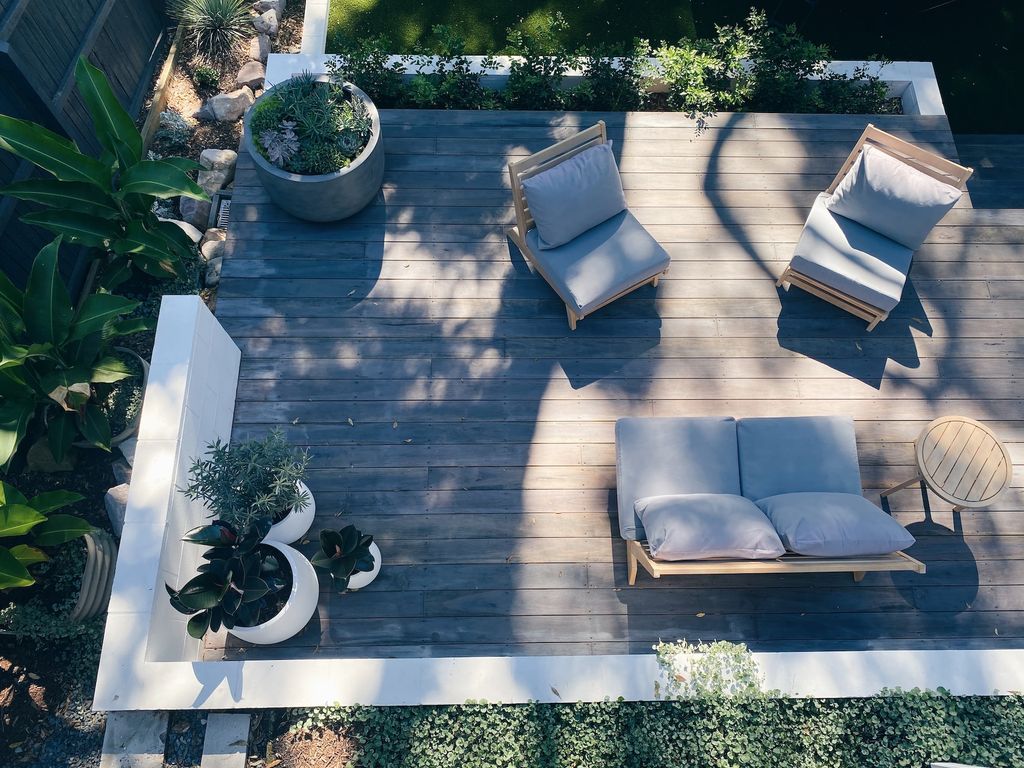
x=73, y=737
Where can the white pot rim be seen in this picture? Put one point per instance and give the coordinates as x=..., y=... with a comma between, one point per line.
x=296, y=524
x=298, y=608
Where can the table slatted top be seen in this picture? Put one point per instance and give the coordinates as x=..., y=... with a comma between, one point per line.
x=963, y=461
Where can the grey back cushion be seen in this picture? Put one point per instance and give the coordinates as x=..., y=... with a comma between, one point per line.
x=570, y=198
x=834, y=525
x=703, y=526
x=798, y=453
x=666, y=456
x=892, y=198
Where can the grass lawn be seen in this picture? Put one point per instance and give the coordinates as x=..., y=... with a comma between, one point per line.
x=483, y=23
x=972, y=44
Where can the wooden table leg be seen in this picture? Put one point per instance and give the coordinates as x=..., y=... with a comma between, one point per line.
x=901, y=486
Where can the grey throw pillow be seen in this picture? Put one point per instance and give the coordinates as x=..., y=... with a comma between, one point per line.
x=834, y=525
x=703, y=526
x=892, y=198
x=574, y=196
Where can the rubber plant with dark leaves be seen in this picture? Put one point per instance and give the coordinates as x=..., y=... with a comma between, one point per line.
x=343, y=554
x=240, y=584
x=104, y=202
x=29, y=523
x=55, y=358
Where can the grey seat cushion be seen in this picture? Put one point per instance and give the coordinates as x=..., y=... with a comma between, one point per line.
x=892, y=198
x=834, y=525
x=574, y=196
x=668, y=456
x=704, y=526
x=600, y=263
x=851, y=258
x=798, y=453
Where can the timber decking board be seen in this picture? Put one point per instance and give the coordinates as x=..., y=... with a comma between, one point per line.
x=480, y=451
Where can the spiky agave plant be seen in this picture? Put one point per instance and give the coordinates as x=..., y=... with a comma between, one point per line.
x=216, y=26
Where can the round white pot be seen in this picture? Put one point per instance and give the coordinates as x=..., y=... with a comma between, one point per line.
x=296, y=523
x=363, y=578
x=297, y=611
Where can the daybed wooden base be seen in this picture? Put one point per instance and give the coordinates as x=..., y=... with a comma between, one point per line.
x=637, y=553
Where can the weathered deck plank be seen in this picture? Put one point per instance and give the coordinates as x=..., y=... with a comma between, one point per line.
x=480, y=450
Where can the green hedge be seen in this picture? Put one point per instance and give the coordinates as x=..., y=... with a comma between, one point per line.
x=897, y=729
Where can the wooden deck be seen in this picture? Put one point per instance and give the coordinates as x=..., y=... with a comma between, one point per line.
x=998, y=162
x=453, y=415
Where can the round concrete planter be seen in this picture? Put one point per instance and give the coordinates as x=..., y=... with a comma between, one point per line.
x=298, y=609
x=330, y=196
x=363, y=578
x=296, y=523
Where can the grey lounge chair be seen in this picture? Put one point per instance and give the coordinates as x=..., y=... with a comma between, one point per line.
x=841, y=256
x=610, y=259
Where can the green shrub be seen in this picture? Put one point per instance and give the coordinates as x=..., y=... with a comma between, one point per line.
x=206, y=78
x=541, y=63
x=215, y=26
x=613, y=79
x=451, y=83
x=364, y=62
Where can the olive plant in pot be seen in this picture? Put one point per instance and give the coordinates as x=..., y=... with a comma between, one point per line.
x=260, y=591
x=252, y=480
x=351, y=557
x=316, y=144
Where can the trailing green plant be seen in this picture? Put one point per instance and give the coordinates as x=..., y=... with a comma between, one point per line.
x=366, y=63
x=249, y=481
x=30, y=524
x=706, y=670
x=613, y=79
x=103, y=202
x=57, y=359
x=215, y=26
x=539, y=65
x=240, y=584
x=343, y=554
x=205, y=77
x=445, y=78
x=310, y=126
x=173, y=133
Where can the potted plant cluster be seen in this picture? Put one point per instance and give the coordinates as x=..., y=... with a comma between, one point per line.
x=254, y=480
x=259, y=590
x=316, y=143
x=351, y=557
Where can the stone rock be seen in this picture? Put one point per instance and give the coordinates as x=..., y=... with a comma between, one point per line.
x=122, y=471
x=251, y=74
x=259, y=48
x=188, y=229
x=213, y=235
x=127, y=449
x=213, y=267
x=226, y=107
x=195, y=212
x=218, y=160
x=214, y=249
x=212, y=181
x=267, y=23
x=116, y=502
x=40, y=459
x=261, y=6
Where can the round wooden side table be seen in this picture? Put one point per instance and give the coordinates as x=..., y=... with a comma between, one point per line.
x=960, y=461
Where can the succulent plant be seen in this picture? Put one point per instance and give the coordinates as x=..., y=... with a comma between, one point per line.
x=344, y=553
x=281, y=145
x=240, y=584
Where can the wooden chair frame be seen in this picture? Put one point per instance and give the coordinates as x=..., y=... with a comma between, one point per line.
x=927, y=162
x=638, y=554
x=542, y=161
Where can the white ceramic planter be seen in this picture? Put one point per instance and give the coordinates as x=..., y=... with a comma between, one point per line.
x=296, y=523
x=297, y=611
x=362, y=579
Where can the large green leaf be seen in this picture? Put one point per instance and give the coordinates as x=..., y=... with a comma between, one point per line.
x=108, y=370
x=94, y=426
x=48, y=309
x=60, y=434
x=182, y=163
x=28, y=555
x=132, y=325
x=12, y=572
x=69, y=195
x=50, y=501
x=18, y=519
x=115, y=128
x=160, y=179
x=10, y=294
x=51, y=152
x=198, y=625
x=59, y=529
x=97, y=310
x=11, y=495
x=14, y=418
x=78, y=228
x=202, y=592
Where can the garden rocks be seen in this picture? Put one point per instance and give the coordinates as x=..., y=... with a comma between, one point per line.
x=219, y=160
x=116, y=502
x=195, y=212
x=259, y=48
x=213, y=267
x=251, y=74
x=267, y=23
x=214, y=249
x=212, y=181
x=270, y=5
x=122, y=471
x=213, y=235
x=227, y=107
x=127, y=449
